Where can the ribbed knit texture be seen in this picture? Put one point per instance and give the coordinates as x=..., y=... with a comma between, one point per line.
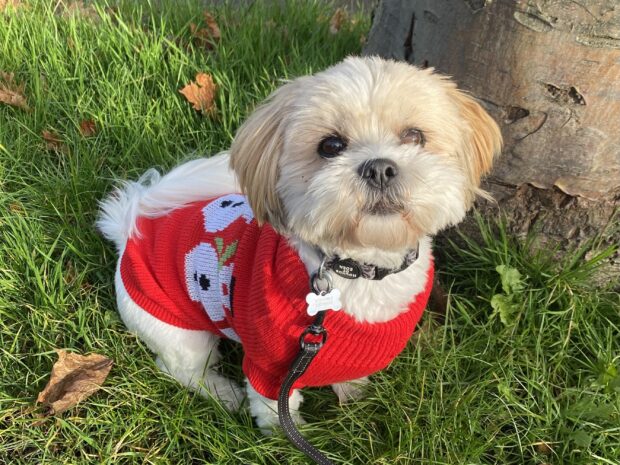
x=268, y=311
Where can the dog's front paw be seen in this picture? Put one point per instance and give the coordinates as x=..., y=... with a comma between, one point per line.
x=269, y=422
x=208, y=384
x=229, y=393
x=351, y=390
x=265, y=410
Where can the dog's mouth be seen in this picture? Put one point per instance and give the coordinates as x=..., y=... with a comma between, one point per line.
x=385, y=201
x=384, y=207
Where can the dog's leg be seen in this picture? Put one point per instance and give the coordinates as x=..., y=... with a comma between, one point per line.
x=265, y=410
x=203, y=380
x=185, y=355
x=350, y=390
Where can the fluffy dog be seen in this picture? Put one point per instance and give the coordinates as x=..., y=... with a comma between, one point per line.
x=364, y=162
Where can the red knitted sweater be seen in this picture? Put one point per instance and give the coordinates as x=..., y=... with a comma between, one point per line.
x=209, y=266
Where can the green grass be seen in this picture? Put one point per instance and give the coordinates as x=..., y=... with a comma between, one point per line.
x=475, y=390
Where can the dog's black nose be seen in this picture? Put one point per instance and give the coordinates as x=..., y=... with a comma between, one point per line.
x=379, y=172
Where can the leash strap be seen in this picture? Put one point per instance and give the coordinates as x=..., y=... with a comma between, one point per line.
x=309, y=349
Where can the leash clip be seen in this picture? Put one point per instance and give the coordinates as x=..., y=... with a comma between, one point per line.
x=321, y=281
x=314, y=330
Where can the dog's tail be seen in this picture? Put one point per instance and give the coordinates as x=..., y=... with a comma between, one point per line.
x=154, y=195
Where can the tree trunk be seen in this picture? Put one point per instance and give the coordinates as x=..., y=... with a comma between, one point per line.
x=549, y=72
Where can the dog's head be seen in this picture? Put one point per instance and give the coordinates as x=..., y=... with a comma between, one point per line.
x=368, y=153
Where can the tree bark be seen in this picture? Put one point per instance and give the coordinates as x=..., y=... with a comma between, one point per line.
x=549, y=72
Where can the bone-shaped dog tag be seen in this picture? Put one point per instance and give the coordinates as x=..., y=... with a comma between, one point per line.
x=319, y=302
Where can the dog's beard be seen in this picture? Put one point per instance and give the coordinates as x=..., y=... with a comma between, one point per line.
x=382, y=219
x=385, y=232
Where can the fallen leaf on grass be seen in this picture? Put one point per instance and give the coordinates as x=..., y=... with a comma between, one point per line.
x=200, y=36
x=335, y=23
x=201, y=93
x=77, y=9
x=74, y=378
x=53, y=141
x=69, y=274
x=16, y=208
x=88, y=128
x=14, y=4
x=12, y=93
x=212, y=25
x=543, y=447
x=206, y=36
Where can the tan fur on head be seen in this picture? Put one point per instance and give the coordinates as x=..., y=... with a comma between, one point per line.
x=255, y=152
x=484, y=140
x=368, y=103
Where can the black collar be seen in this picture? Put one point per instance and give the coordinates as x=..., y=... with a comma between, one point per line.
x=351, y=269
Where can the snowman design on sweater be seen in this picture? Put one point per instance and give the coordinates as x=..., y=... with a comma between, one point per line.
x=209, y=266
x=209, y=281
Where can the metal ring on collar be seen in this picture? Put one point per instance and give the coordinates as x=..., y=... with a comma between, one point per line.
x=316, y=280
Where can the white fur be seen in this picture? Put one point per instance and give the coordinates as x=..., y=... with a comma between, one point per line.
x=322, y=203
x=266, y=410
x=350, y=390
x=153, y=195
x=184, y=354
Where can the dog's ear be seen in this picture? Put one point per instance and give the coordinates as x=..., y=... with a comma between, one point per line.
x=483, y=139
x=255, y=152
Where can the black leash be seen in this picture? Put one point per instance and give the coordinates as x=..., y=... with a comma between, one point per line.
x=311, y=341
x=314, y=336
x=308, y=351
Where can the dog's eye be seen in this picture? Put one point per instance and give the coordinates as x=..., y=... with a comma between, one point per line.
x=332, y=146
x=412, y=136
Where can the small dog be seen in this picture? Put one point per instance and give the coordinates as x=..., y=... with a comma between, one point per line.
x=358, y=165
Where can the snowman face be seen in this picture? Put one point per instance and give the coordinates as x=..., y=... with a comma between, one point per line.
x=211, y=285
x=225, y=210
x=202, y=279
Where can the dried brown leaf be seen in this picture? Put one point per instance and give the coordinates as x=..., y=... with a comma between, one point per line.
x=336, y=21
x=201, y=94
x=212, y=25
x=13, y=4
x=200, y=37
x=206, y=36
x=543, y=447
x=53, y=141
x=16, y=208
x=69, y=274
x=77, y=9
x=74, y=378
x=12, y=93
x=88, y=128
